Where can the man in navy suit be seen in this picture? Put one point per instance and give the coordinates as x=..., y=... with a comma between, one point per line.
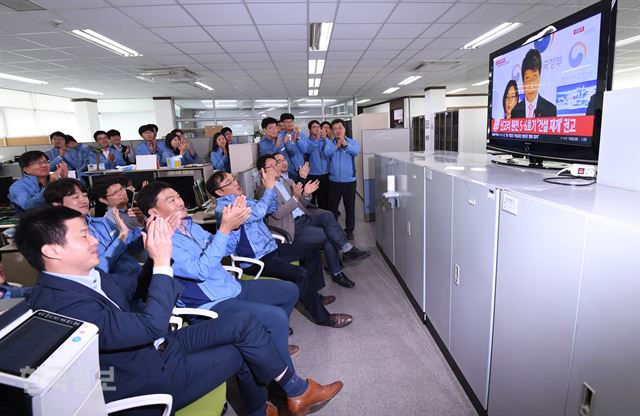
x=533, y=104
x=136, y=347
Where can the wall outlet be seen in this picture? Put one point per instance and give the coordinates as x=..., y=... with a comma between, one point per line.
x=456, y=275
x=510, y=204
x=584, y=171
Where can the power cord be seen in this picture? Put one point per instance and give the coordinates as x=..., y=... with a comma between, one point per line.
x=558, y=180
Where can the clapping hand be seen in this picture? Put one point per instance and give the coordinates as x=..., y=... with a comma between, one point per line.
x=234, y=215
x=304, y=170
x=311, y=187
x=123, y=231
x=297, y=191
x=157, y=241
x=268, y=178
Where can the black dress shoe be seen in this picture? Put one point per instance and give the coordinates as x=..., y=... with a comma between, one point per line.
x=343, y=280
x=338, y=320
x=327, y=300
x=355, y=254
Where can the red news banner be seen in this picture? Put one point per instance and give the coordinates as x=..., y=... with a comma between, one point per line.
x=565, y=126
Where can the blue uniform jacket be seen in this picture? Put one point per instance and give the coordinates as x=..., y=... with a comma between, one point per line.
x=26, y=193
x=198, y=259
x=342, y=164
x=297, y=156
x=220, y=161
x=318, y=162
x=266, y=146
x=125, y=338
x=111, y=250
x=71, y=157
x=187, y=159
x=142, y=149
x=259, y=236
x=90, y=159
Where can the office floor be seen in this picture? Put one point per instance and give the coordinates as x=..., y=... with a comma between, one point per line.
x=388, y=361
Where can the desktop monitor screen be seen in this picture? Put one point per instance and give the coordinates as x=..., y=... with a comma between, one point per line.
x=546, y=94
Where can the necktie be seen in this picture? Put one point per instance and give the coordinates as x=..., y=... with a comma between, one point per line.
x=530, y=112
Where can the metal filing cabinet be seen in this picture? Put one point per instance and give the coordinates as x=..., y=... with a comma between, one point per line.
x=537, y=285
x=474, y=245
x=439, y=191
x=400, y=220
x=384, y=213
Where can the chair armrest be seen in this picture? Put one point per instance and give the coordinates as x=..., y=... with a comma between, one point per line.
x=280, y=231
x=280, y=238
x=13, y=284
x=139, y=401
x=194, y=312
x=239, y=259
x=233, y=269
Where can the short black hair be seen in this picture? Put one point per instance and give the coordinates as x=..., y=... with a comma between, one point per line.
x=268, y=120
x=154, y=127
x=215, y=143
x=69, y=138
x=56, y=191
x=146, y=127
x=56, y=134
x=312, y=122
x=98, y=133
x=39, y=227
x=338, y=121
x=262, y=160
x=167, y=141
x=286, y=116
x=100, y=186
x=31, y=156
x=532, y=61
x=175, y=131
x=325, y=123
x=511, y=83
x=147, y=198
x=214, y=181
x=226, y=130
x=113, y=132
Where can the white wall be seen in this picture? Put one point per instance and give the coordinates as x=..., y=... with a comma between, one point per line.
x=472, y=101
x=416, y=107
x=126, y=116
x=380, y=108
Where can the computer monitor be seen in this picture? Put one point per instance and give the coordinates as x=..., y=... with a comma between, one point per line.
x=184, y=186
x=5, y=184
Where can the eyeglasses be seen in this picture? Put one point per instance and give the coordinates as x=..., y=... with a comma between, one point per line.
x=116, y=192
x=40, y=162
x=234, y=179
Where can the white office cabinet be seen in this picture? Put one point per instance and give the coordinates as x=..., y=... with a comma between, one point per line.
x=439, y=191
x=474, y=234
x=400, y=219
x=606, y=354
x=537, y=284
x=384, y=212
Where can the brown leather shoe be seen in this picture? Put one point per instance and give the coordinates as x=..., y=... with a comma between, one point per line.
x=338, y=320
x=294, y=350
x=271, y=410
x=327, y=300
x=314, y=399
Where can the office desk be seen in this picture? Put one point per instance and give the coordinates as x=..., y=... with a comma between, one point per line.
x=199, y=171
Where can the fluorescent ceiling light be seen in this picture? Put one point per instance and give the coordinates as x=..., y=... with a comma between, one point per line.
x=477, y=84
x=83, y=91
x=22, y=79
x=299, y=100
x=303, y=112
x=319, y=36
x=226, y=106
x=627, y=41
x=635, y=68
x=145, y=79
x=314, y=82
x=104, y=42
x=456, y=91
x=310, y=105
x=493, y=34
x=336, y=105
x=390, y=90
x=226, y=102
x=313, y=93
x=409, y=80
x=314, y=100
x=316, y=66
x=203, y=85
x=272, y=101
x=206, y=101
x=366, y=100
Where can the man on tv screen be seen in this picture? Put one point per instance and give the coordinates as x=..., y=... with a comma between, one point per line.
x=533, y=105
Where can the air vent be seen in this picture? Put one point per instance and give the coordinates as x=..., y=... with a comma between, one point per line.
x=21, y=5
x=433, y=66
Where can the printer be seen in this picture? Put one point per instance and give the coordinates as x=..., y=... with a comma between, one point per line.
x=48, y=363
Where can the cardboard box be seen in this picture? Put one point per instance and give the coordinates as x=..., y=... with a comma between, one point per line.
x=209, y=131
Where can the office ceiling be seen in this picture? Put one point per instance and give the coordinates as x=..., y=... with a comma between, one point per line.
x=258, y=48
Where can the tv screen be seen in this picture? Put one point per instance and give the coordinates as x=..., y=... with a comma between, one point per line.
x=546, y=94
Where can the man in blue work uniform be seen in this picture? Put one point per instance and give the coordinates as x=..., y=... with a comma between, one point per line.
x=207, y=285
x=313, y=146
x=272, y=142
x=136, y=347
x=26, y=192
x=291, y=132
x=108, y=156
x=150, y=146
x=341, y=152
x=62, y=153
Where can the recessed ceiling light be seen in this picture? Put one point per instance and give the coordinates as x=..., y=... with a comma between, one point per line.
x=83, y=91
x=272, y=101
x=456, y=91
x=314, y=82
x=366, y=100
x=22, y=79
x=627, y=41
x=203, y=85
x=226, y=102
x=477, y=84
x=493, y=34
x=319, y=36
x=303, y=112
x=390, y=90
x=104, y=42
x=313, y=93
x=409, y=80
x=316, y=66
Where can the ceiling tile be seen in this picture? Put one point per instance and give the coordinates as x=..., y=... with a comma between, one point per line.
x=157, y=49
x=269, y=13
x=418, y=12
x=399, y=31
x=343, y=55
x=419, y=43
x=495, y=13
x=120, y=3
x=389, y=44
x=457, y=12
x=12, y=43
x=72, y=5
x=88, y=51
x=182, y=34
x=100, y=20
x=251, y=57
x=46, y=54
x=354, y=13
x=231, y=33
x=220, y=14
x=159, y=16
x=349, y=45
x=173, y=59
x=221, y=66
x=198, y=47
x=322, y=12
x=38, y=65
x=288, y=56
x=27, y=22
x=242, y=46
x=129, y=37
x=355, y=31
x=444, y=43
x=379, y=54
x=211, y=58
x=286, y=45
x=280, y=32
x=52, y=40
x=435, y=30
x=468, y=31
